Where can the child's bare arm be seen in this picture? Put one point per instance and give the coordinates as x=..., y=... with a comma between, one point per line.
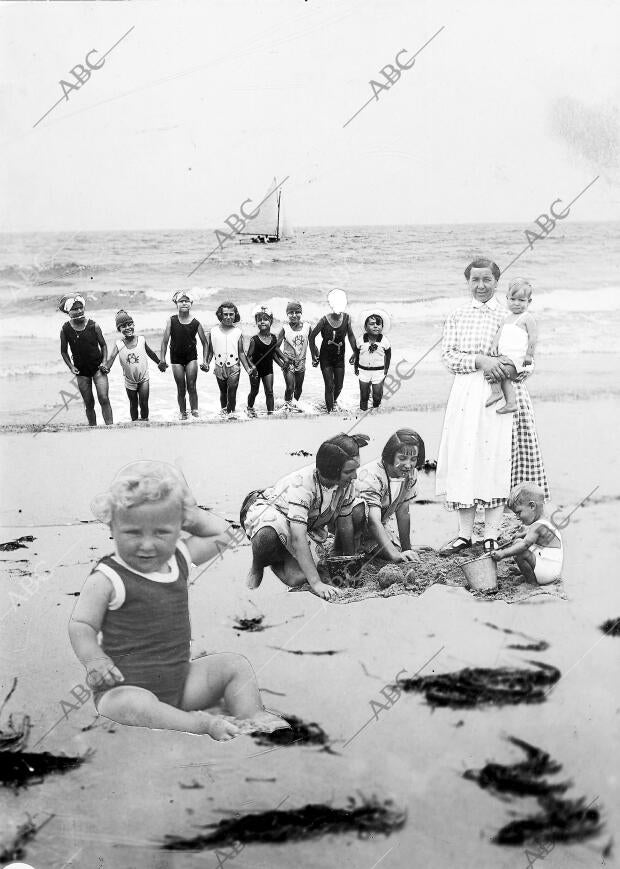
x=531, y=328
x=388, y=359
x=151, y=353
x=249, y=367
x=110, y=361
x=518, y=546
x=64, y=352
x=280, y=338
x=301, y=548
x=164, y=341
x=85, y=624
x=102, y=344
x=208, y=533
x=494, y=351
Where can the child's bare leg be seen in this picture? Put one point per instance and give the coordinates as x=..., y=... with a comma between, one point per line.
x=267, y=549
x=349, y=531
x=289, y=572
x=496, y=393
x=526, y=562
x=179, y=378
x=101, y=385
x=509, y=392
x=143, y=397
x=137, y=707
x=132, y=395
x=85, y=385
x=191, y=373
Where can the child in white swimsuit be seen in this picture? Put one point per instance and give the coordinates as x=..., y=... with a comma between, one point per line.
x=539, y=553
x=516, y=339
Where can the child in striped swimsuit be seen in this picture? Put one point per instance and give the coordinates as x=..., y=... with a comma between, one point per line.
x=137, y=599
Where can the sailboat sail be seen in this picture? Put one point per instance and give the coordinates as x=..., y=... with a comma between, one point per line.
x=286, y=230
x=266, y=221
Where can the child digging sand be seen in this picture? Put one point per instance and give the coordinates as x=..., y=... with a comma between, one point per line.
x=516, y=340
x=137, y=599
x=133, y=351
x=539, y=554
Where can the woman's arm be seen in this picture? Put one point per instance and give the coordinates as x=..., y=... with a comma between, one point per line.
x=164, y=341
x=460, y=362
x=85, y=624
x=102, y=344
x=351, y=336
x=205, y=347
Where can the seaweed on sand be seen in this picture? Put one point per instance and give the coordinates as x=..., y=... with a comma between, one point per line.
x=20, y=543
x=520, y=779
x=12, y=846
x=560, y=819
x=479, y=686
x=611, y=627
x=300, y=732
x=368, y=818
x=254, y=623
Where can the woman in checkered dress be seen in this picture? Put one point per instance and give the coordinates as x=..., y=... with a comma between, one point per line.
x=482, y=454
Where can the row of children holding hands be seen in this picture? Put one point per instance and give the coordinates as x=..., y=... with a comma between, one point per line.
x=224, y=346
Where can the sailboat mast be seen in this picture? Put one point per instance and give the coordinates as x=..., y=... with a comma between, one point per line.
x=278, y=223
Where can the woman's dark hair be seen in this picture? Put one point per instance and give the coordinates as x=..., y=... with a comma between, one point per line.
x=219, y=311
x=483, y=263
x=333, y=454
x=404, y=437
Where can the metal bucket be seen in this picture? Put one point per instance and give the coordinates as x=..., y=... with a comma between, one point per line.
x=342, y=569
x=480, y=573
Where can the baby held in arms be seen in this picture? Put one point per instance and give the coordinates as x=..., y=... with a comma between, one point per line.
x=516, y=339
x=539, y=552
x=131, y=627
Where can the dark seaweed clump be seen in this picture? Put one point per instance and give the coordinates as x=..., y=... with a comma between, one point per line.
x=479, y=686
x=304, y=453
x=249, y=624
x=20, y=768
x=520, y=779
x=20, y=543
x=560, y=819
x=302, y=732
x=611, y=627
x=14, y=850
x=308, y=822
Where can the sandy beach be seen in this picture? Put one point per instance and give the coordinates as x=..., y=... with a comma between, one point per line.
x=139, y=786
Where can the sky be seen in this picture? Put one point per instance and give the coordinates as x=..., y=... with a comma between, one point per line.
x=509, y=107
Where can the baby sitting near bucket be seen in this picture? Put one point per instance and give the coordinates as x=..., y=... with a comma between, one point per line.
x=539, y=552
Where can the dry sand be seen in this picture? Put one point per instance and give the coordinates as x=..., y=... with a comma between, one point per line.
x=119, y=805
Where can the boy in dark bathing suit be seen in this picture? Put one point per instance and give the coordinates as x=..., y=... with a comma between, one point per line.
x=89, y=354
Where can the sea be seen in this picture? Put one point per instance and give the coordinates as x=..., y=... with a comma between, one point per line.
x=414, y=273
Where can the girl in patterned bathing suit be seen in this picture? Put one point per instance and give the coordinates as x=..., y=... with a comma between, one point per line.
x=482, y=454
x=134, y=354
x=181, y=330
x=89, y=354
x=293, y=339
x=137, y=599
x=287, y=520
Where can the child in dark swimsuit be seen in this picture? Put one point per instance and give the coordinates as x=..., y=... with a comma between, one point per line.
x=131, y=625
x=181, y=330
x=89, y=355
x=333, y=328
x=262, y=353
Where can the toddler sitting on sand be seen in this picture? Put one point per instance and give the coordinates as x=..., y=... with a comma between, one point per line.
x=539, y=553
x=516, y=340
x=137, y=599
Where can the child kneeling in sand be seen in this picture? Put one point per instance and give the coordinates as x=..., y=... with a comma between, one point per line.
x=515, y=341
x=539, y=553
x=285, y=521
x=137, y=599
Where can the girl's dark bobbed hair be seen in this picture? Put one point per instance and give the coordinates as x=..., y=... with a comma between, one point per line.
x=334, y=453
x=219, y=314
x=404, y=437
x=483, y=263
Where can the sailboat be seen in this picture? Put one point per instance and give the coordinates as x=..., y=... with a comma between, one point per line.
x=270, y=224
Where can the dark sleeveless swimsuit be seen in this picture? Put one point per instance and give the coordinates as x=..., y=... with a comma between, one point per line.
x=85, y=349
x=332, y=345
x=183, y=341
x=262, y=355
x=148, y=637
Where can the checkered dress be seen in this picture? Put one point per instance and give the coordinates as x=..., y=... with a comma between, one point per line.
x=467, y=332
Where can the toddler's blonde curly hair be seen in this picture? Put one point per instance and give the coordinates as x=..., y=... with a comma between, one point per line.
x=142, y=482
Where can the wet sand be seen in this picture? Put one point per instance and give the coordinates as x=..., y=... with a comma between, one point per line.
x=139, y=785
